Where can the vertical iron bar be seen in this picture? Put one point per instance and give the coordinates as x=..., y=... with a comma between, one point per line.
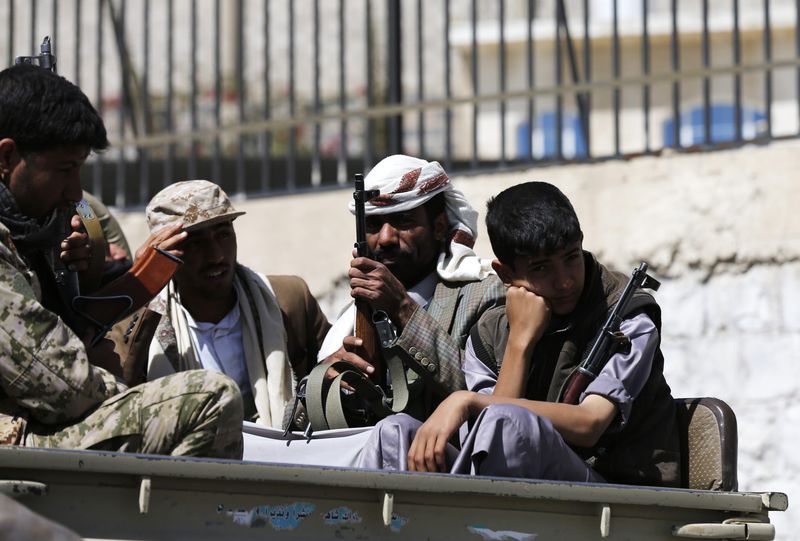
x=97, y=172
x=290, y=150
x=216, y=166
x=420, y=87
x=368, y=148
x=706, y=50
x=531, y=78
x=342, y=161
x=797, y=54
x=266, y=155
x=501, y=15
x=448, y=91
x=616, y=71
x=240, y=92
x=34, y=45
x=77, y=52
x=474, y=64
x=587, y=76
x=676, y=89
x=395, y=90
x=737, y=78
x=119, y=195
x=580, y=97
x=316, y=165
x=768, y=71
x=10, y=31
x=192, y=169
x=55, y=41
x=646, y=73
x=170, y=161
x=144, y=153
x=559, y=81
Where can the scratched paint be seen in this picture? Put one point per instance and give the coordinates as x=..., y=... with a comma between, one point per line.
x=280, y=517
x=397, y=523
x=500, y=535
x=341, y=515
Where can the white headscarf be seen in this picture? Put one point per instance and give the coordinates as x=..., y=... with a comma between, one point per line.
x=406, y=183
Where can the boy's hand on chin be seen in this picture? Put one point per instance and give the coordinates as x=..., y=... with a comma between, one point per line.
x=528, y=316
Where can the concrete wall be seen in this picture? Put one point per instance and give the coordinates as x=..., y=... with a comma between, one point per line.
x=722, y=232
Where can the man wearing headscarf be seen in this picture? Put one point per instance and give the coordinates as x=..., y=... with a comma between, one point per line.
x=423, y=274
x=428, y=280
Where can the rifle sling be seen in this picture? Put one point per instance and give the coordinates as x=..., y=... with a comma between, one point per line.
x=91, y=278
x=325, y=410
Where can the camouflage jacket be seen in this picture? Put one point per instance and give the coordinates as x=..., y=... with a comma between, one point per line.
x=45, y=375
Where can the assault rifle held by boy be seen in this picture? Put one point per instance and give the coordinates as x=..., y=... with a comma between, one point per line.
x=608, y=338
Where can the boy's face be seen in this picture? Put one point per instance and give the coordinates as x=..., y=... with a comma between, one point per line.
x=558, y=277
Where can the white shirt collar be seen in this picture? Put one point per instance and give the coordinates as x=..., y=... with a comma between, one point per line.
x=422, y=292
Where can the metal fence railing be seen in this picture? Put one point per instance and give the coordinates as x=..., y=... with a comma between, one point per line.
x=269, y=97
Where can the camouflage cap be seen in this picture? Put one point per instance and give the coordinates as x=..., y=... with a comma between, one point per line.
x=197, y=203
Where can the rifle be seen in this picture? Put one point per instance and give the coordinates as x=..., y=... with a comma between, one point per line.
x=44, y=60
x=151, y=271
x=607, y=339
x=123, y=296
x=366, y=318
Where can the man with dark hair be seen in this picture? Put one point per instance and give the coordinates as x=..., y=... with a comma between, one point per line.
x=519, y=356
x=54, y=389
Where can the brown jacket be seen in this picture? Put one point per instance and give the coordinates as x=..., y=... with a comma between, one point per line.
x=306, y=327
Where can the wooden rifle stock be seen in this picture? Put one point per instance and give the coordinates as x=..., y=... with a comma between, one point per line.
x=576, y=384
x=365, y=329
x=370, y=343
x=120, y=298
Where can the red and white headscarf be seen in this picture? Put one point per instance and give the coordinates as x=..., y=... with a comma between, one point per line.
x=406, y=183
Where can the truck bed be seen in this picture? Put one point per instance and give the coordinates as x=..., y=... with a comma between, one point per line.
x=136, y=497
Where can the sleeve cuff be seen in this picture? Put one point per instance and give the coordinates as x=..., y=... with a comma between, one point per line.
x=611, y=388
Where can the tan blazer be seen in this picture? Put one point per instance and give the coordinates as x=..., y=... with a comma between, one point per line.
x=305, y=324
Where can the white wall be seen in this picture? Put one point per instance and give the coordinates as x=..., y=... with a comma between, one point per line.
x=722, y=232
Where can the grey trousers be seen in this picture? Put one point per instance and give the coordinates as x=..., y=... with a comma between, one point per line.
x=504, y=441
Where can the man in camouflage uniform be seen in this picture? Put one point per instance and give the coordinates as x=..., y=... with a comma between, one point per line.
x=54, y=391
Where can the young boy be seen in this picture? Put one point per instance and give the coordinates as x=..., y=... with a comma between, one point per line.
x=519, y=356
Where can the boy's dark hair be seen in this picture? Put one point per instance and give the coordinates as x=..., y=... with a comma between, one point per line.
x=40, y=111
x=533, y=218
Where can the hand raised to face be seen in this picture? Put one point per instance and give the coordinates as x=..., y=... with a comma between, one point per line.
x=372, y=282
x=75, y=249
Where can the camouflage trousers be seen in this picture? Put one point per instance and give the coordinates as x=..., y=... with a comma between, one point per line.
x=193, y=413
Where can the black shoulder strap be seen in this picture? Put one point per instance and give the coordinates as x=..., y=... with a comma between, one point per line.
x=642, y=301
x=484, y=354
